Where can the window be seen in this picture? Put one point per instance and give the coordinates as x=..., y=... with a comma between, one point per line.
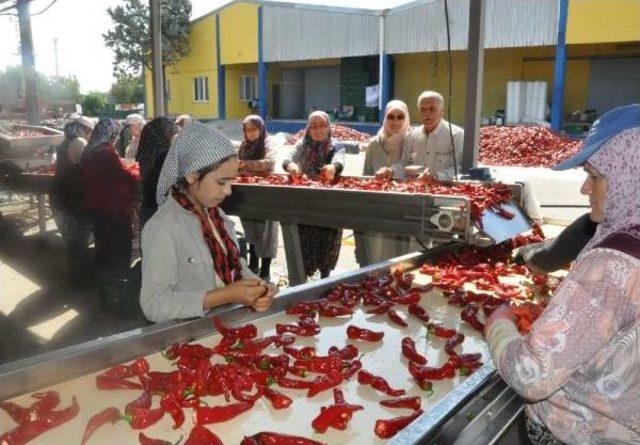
x=167, y=90
x=201, y=89
x=248, y=90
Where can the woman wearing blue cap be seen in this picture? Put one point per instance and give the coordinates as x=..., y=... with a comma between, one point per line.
x=579, y=366
x=190, y=258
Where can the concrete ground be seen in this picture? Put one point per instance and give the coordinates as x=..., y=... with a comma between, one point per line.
x=40, y=311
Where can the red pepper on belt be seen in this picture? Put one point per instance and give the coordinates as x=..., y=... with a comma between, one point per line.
x=411, y=298
x=441, y=331
x=356, y=366
x=380, y=309
x=201, y=435
x=470, y=315
x=397, y=318
x=405, y=402
x=320, y=365
x=366, y=378
x=144, y=440
x=141, y=418
x=446, y=371
x=216, y=414
x=297, y=330
x=410, y=352
x=300, y=354
x=334, y=311
x=385, y=429
x=302, y=307
x=109, y=415
x=139, y=367
x=286, y=382
x=349, y=352
x=277, y=399
x=108, y=383
x=451, y=343
x=46, y=402
x=419, y=313
x=28, y=431
x=329, y=380
x=461, y=360
x=356, y=333
x=331, y=414
x=245, y=332
x=269, y=438
x=170, y=404
x=144, y=401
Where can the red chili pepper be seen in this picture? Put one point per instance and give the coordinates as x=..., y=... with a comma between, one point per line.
x=470, y=368
x=411, y=298
x=108, y=383
x=426, y=386
x=441, y=331
x=109, y=415
x=460, y=360
x=241, y=397
x=387, y=428
x=300, y=354
x=141, y=418
x=397, y=318
x=46, y=402
x=332, y=414
x=29, y=430
x=144, y=401
x=382, y=308
x=298, y=371
x=371, y=299
x=410, y=352
x=470, y=315
x=378, y=383
x=277, y=399
x=138, y=367
x=286, y=382
x=245, y=332
x=334, y=311
x=419, y=313
x=356, y=366
x=320, y=365
x=216, y=414
x=144, y=440
x=446, y=371
x=297, y=330
x=201, y=435
x=451, y=343
x=404, y=402
x=303, y=307
x=269, y=438
x=356, y=333
x=327, y=381
x=285, y=340
x=349, y=352
x=170, y=404
x=192, y=352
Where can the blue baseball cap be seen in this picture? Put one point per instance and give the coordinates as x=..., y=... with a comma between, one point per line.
x=610, y=124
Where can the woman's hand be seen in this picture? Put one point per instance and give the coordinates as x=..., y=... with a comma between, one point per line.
x=293, y=169
x=328, y=172
x=264, y=302
x=384, y=174
x=245, y=291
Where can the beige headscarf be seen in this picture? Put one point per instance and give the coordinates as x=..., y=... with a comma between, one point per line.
x=392, y=142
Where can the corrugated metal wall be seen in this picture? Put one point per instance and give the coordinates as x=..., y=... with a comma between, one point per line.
x=509, y=23
x=306, y=34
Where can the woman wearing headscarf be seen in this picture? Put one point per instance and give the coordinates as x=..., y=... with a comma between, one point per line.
x=155, y=142
x=258, y=158
x=579, y=366
x=318, y=157
x=135, y=123
x=190, y=258
x=111, y=196
x=383, y=160
x=68, y=200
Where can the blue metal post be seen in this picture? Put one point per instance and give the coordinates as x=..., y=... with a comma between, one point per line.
x=385, y=88
x=221, y=75
x=557, y=104
x=262, y=71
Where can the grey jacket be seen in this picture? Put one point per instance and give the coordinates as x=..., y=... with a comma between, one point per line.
x=177, y=268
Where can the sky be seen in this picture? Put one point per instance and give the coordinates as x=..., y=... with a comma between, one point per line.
x=78, y=26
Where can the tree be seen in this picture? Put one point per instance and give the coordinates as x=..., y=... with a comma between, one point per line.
x=50, y=88
x=96, y=103
x=130, y=39
x=128, y=90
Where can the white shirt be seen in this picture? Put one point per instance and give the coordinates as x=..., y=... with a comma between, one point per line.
x=433, y=150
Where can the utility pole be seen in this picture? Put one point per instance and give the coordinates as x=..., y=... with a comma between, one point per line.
x=155, y=8
x=28, y=62
x=55, y=52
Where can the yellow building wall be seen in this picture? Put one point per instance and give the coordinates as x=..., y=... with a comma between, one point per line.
x=239, y=34
x=201, y=62
x=415, y=73
x=235, y=108
x=603, y=21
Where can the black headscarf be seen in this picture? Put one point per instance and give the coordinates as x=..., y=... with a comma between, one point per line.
x=253, y=150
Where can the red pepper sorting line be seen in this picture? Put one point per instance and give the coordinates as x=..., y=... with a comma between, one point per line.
x=142, y=418
x=419, y=373
x=138, y=367
x=144, y=401
x=397, y=318
x=109, y=415
x=201, y=435
x=170, y=404
x=404, y=402
x=270, y=438
x=387, y=428
x=441, y=331
x=419, y=313
x=108, y=383
x=277, y=399
x=356, y=333
x=29, y=430
x=327, y=381
x=349, y=352
x=215, y=414
x=245, y=332
x=144, y=440
x=44, y=403
x=378, y=383
x=409, y=351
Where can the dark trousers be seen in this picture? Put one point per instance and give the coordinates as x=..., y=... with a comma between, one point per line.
x=112, y=235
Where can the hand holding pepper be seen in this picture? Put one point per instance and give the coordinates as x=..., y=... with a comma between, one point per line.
x=328, y=173
x=384, y=174
x=264, y=302
x=245, y=292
